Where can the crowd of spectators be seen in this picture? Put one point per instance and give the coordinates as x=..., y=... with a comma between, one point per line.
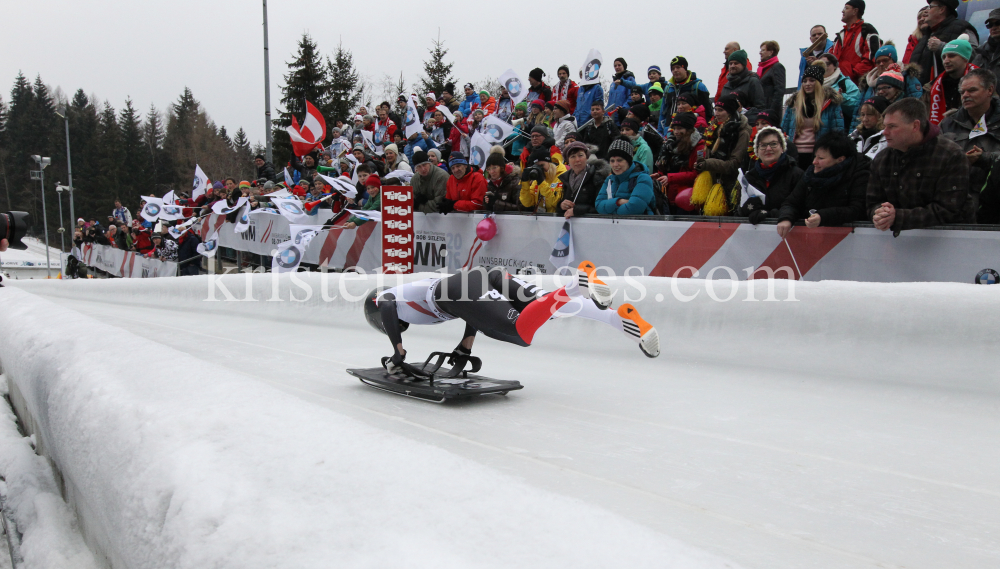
x=901, y=142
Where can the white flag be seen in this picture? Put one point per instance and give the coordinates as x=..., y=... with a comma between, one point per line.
x=354, y=170
x=369, y=138
x=221, y=207
x=209, y=247
x=341, y=185
x=372, y=214
x=178, y=230
x=171, y=212
x=515, y=87
x=288, y=178
x=293, y=210
x=591, y=68
x=243, y=220
x=282, y=193
x=562, y=250
x=447, y=113
x=746, y=190
x=401, y=175
x=496, y=130
x=168, y=198
x=289, y=254
x=200, y=183
x=412, y=124
x=151, y=211
x=479, y=150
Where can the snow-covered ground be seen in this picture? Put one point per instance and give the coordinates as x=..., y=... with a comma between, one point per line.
x=854, y=427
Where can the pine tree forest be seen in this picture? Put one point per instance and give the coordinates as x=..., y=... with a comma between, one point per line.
x=124, y=150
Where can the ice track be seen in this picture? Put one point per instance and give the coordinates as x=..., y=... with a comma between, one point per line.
x=856, y=427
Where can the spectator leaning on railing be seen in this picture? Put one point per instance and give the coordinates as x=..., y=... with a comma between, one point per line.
x=922, y=178
x=629, y=189
x=582, y=181
x=774, y=174
x=430, y=184
x=832, y=190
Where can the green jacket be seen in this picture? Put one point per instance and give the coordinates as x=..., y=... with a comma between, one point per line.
x=373, y=203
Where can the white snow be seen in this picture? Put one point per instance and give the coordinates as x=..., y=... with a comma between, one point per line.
x=50, y=537
x=855, y=427
x=183, y=463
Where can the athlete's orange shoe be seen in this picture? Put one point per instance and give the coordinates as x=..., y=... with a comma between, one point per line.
x=600, y=293
x=640, y=330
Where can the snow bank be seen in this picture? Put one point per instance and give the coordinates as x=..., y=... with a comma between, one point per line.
x=847, y=323
x=172, y=462
x=50, y=537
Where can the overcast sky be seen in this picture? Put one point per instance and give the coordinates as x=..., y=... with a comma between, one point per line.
x=150, y=51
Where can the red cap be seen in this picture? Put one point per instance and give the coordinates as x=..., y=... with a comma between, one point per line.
x=374, y=180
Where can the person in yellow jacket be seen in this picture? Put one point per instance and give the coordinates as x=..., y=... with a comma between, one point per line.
x=541, y=189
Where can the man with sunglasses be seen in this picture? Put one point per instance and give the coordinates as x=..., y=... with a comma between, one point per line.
x=945, y=26
x=988, y=54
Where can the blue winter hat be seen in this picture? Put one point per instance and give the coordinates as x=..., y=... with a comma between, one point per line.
x=887, y=49
x=655, y=68
x=457, y=158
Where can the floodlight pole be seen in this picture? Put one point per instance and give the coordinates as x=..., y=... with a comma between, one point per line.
x=267, y=92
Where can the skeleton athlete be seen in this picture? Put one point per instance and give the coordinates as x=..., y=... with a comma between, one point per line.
x=501, y=306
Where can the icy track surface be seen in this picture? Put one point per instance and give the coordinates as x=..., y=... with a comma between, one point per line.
x=856, y=427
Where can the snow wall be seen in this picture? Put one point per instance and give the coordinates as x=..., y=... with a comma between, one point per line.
x=170, y=461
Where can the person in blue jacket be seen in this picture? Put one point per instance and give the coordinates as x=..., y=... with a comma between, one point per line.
x=618, y=93
x=470, y=97
x=629, y=189
x=585, y=96
x=655, y=77
x=813, y=111
x=816, y=34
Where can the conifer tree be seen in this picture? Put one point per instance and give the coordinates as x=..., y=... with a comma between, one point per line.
x=343, y=87
x=437, y=73
x=152, y=141
x=108, y=179
x=307, y=79
x=134, y=158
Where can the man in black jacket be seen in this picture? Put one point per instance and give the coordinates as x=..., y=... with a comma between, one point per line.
x=772, y=78
x=581, y=181
x=265, y=170
x=599, y=131
x=942, y=18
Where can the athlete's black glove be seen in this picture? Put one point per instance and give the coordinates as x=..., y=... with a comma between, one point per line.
x=394, y=364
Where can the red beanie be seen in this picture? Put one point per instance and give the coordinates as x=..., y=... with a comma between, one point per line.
x=374, y=180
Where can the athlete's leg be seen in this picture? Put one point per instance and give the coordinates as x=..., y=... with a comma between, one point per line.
x=626, y=319
x=468, y=295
